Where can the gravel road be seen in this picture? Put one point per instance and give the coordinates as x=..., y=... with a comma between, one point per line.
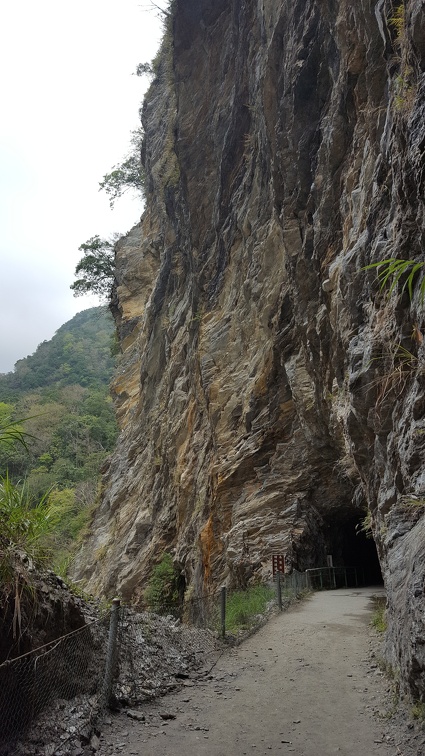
x=307, y=684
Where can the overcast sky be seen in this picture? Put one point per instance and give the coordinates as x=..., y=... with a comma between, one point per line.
x=69, y=102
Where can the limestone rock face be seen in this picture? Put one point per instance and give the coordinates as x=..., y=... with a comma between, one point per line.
x=268, y=393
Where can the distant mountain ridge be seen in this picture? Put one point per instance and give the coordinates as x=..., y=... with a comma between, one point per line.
x=80, y=352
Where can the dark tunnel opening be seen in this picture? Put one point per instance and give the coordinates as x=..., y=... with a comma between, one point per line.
x=359, y=550
x=352, y=546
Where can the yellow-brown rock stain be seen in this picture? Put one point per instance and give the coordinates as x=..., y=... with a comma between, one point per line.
x=211, y=547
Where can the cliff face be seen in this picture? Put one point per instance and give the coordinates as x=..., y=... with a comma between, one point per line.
x=268, y=394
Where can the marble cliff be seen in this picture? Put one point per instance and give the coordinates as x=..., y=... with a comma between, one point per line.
x=270, y=396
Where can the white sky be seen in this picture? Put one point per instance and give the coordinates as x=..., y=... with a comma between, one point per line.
x=69, y=101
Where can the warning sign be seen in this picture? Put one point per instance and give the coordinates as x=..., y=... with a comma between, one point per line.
x=278, y=563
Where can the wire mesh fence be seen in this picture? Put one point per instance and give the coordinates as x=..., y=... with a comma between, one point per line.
x=295, y=583
x=126, y=657
x=234, y=610
x=155, y=653
x=61, y=670
x=203, y=611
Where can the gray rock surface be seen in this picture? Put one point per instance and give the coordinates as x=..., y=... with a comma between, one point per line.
x=265, y=394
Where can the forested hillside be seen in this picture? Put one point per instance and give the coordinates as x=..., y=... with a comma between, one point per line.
x=80, y=353
x=59, y=397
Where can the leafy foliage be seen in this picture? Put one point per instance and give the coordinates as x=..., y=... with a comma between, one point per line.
x=418, y=711
x=70, y=428
x=144, y=69
x=96, y=269
x=11, y=432
x=404, y=83
x=161, y=595
x=365, y=525
x=398, y=23
x=395, y=270
x=28, y=538
x=75, y=516
x=69, y=443
x=26, y=524
x=129, y=174
x=79, y=353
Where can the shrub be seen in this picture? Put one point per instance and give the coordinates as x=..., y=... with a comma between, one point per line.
x=27, y=526
x=162, y=594
x=25, y=541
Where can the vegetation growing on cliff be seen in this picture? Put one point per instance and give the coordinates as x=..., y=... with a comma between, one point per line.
x=409, y=273
x=126, y=175
x=404, y=85
x=96, y=269
x=162, y=595
x=379, y=619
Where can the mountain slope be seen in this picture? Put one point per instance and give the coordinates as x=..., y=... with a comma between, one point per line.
x=63, y=392
x=78, y=353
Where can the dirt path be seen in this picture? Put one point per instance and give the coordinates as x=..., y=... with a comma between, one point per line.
x=304, y=684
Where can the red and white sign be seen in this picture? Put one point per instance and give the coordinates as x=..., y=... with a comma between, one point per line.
x=278, y=563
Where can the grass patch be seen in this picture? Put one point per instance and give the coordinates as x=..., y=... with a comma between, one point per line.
x=379, y=618
x=243, y=607
x=418, y=711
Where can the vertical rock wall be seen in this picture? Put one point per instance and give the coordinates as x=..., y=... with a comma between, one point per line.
x=267, y=392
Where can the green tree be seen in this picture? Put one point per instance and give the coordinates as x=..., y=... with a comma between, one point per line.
x=144, y=69
x=96, y=269
x=129, y=174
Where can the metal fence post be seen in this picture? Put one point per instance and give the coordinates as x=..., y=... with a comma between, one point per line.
x=110, y=653
x=223, y=610
x=279, y=590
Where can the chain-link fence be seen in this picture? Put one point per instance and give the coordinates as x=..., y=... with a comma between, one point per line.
x=69, y=667
x=156, y=653
x=295, y=583
x=234, y=611
x=125, y=658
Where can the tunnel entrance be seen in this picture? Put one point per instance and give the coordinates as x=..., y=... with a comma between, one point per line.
x=351, y=546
